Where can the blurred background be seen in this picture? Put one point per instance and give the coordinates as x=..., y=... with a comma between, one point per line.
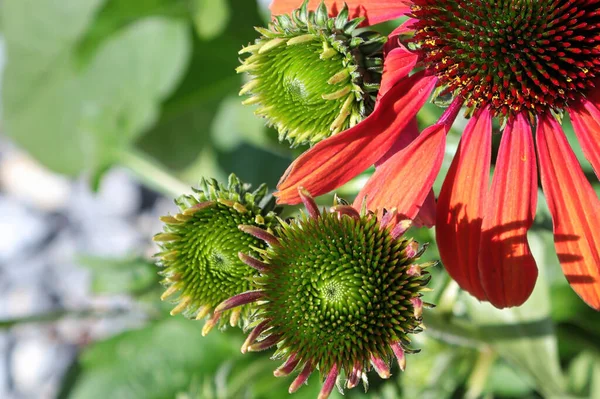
x=110, y=109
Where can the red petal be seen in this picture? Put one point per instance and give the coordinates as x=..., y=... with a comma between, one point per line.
x=374, y=11
x=336, y=160
x=397, y=65
x=461, y=202
x=405, y=179
x=506, y=266
x=426, y=216
x=586, y=122
x=575, y=211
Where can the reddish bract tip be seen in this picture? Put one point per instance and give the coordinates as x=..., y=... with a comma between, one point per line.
x=309, y=203
x=254, y=334
x=239, y=300
x=381, y=367
x=264, y=344
x=346, y=210
x=253, y=262
x=400, y=355
x=260, y=234
x=287, y=367
x=329, y=383
x=301, y=378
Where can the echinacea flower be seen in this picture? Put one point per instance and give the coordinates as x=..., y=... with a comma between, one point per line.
x=200, y=245
x=313, y=76
x=523, y=62
x=339, y=291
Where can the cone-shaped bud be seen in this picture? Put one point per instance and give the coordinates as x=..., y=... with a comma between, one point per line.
x=311, y=75
x=340, y=294
x=200, y=247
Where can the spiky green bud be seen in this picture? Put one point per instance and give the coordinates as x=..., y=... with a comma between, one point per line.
x=313, y=76
x=339, y=291
x=200, y=247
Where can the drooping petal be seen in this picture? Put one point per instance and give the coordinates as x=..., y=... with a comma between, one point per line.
x=405, y=179
x=574, y=207
x=586, y=123
x=506, y=266
x=461, y=203
x=426, y=216
x=336, y=160
x=374, y=11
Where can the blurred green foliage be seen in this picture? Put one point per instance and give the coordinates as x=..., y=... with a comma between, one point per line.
x=94, y=83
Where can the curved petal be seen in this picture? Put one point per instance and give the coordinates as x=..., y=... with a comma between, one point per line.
x=506, y=266
x=405, y=179
x=397, y=65
x=336, y=160
x=586, y=123
x=574, y=207
x=426, y=216
x=374, y=11
x=461, y=203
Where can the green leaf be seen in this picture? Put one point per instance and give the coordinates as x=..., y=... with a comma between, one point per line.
x=120, y=276
x=154, y=362
x=183, y=130
x=505, y=381
x=437, y=371
x=74, y=117
x=115, y=15
x=210, y=17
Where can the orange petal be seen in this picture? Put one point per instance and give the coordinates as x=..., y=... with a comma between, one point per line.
x=586, y=122
x=374, y=11
x=336, y=160
x=461, y=202
x=404, y=180
x=575, y=211
x=506, y=266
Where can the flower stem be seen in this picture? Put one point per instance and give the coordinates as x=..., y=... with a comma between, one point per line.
x=481, y=371
x=151, y=174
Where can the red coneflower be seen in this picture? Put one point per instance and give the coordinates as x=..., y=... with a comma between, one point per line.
x=524, y=62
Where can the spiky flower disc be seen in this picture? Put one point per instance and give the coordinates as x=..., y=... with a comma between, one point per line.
x=339, y=292
x=312, y=75
x=200, y=245
x=513, y=55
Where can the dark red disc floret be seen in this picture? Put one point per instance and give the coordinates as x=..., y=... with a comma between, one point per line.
x=513, y=55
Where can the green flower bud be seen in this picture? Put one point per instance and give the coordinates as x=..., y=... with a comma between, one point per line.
x=200, y=247
x=339, y=291
x=313, y=76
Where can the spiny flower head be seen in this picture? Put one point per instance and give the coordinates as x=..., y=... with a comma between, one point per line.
x=515, y=56
x=339, y=291
x=312, y=75
x=200, y=245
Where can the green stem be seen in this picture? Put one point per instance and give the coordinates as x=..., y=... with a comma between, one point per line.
x=153, y=175
x=481, y=371
x=448, y=298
